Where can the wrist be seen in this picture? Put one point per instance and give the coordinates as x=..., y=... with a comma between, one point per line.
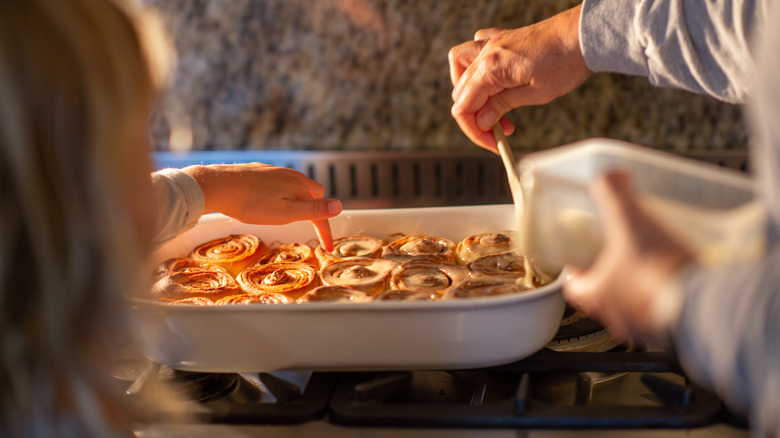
x=203, y=175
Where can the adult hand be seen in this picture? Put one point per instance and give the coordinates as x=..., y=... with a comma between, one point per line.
x=262, y=194
x=636, y=266
x=506, y=69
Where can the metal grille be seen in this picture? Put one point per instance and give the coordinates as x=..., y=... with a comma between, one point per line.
x=400, y=179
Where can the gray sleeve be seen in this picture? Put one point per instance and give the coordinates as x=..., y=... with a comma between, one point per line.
x=728, y=337
x=180, y=202
x=700, y=46
x=728, y=332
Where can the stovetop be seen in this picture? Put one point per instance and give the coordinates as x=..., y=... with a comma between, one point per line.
x=612, y=390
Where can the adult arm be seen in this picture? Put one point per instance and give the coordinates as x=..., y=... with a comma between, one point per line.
x=699, y=46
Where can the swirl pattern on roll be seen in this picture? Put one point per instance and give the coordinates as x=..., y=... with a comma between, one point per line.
x=481, y=245
x=213, y=285
x=423, y=246
x=422, y=275
x=368, y=275
x=350, y=247
x=483, y=288
x=289, y=253
x=266, y=298
x=291, y=279
x=510, y=264
x=181, y=264
x=234, y=252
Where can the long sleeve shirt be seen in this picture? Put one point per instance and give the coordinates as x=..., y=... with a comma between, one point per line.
x=180, y=203
x=726, y=329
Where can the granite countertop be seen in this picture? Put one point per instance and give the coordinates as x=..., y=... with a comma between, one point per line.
x=373, y=75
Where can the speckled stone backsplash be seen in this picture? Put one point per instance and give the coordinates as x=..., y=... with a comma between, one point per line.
x=373, y=75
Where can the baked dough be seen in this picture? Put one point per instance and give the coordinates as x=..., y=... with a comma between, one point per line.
x=368, y=275
x=424, y=246
x=484, y=287
x=291, y=279
x=267, y=298
x=333, y=294
x=350, y=247
x=234, y=252
x=422, y=275
x=207, y=284
x=481, y=245
x=290, y=253
x=509, y=264
x=197, y=301
x=182, y=264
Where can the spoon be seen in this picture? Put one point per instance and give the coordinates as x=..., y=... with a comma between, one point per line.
x=517, y=196
x=509, y=163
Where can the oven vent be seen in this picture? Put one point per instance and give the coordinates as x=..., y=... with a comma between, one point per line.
x=401, y=179
x=380, y=179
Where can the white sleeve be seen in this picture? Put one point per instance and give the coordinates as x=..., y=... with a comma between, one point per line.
x=180, y=203
x=700, y=46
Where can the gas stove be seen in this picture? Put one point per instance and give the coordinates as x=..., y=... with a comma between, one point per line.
x=582, y=382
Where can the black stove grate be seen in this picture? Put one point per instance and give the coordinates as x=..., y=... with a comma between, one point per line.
x=548, y=390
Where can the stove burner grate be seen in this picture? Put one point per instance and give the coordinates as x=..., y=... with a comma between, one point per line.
x=256, y=398
x=548, y=390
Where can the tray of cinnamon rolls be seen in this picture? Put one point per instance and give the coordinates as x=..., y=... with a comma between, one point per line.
x=422, y=288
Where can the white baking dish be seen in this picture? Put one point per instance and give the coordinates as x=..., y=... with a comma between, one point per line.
x=456, y=334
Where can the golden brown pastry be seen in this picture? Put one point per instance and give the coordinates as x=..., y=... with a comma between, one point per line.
x=333, y=294
x=197, y=301
x=368, y=275
x=480, y=245
x=509, y=264
x=290, y=279
x=484, y=287
x=267, y=298
x=207, y=284
x=293, y=252
x=433, y=248
x=181, y=264
x=421, y=275
x=234, y=252
x=405, y=295
x=350, y=247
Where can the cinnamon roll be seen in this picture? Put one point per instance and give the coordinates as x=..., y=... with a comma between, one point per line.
x=266, y=298
x=484, y=244
x=293, y=252
x=405, y=295
x=509, y=264
x=484, y=287
x=291, y=279
x=207, y=284
x=181, y=264
x=368, y=275
x=234, y=252
x=421, y=275
x=333, y=294
x=424, y=246
x=197, y=301
x=350, y=247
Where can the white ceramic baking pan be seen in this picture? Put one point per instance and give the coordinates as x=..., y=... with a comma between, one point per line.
x=457, y=334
